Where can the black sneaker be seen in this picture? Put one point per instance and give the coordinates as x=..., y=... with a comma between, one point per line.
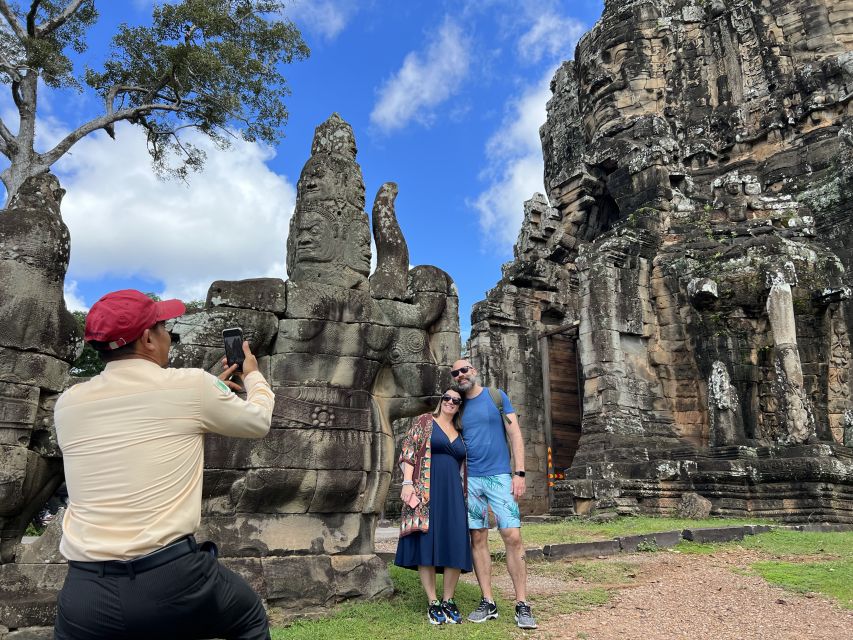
x=451, y=611
x=524, y=616
x=435, y=614
x=487, y=610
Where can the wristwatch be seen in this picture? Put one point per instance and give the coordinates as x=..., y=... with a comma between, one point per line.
x=520, y=474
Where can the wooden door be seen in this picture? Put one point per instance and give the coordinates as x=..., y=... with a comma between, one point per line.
x=566, y=400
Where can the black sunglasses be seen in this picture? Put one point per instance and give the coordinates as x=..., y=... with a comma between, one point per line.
x=456, y=401
x=456, y=372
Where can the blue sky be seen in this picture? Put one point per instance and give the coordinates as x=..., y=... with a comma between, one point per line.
x=445, y=98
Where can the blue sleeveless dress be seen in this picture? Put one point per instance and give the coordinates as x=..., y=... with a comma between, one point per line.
x=447, y=543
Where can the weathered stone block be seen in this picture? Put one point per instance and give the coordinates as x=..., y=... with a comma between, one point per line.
x=261, y=535
x=360, y=576
x=275, y=491
x=662, y=540
x=260, y=294
x=296, y=582
x=694, y=506
x=297, y=449
x=34, y=369
x=18, y=406
x=714, y=534
x=581, y=549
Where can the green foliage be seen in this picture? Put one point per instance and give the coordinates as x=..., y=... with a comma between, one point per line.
x=194, y=305
x=214, y=66
x=206, y=64
x=88, y=363
x=45, y=50
x=648, y=546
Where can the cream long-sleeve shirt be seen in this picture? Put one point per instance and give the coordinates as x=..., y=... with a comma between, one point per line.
x=132, y=441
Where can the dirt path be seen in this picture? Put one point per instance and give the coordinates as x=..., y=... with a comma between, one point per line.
x=673, y=596
x=676, y=596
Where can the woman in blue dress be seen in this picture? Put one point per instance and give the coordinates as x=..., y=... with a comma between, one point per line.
x=434, y=526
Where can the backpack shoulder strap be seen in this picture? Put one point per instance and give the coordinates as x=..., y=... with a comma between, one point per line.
x=495, y=395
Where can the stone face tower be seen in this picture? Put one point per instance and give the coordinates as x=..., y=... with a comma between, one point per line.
x=345, y=352
x=693, y=251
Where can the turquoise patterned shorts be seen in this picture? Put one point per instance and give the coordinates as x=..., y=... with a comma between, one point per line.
x=494, y=492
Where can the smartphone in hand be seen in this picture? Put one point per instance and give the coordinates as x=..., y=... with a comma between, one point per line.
x=233, y=339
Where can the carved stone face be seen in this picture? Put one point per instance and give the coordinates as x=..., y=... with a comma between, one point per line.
x=316, y=237
x=357, y=253
x=329, y=178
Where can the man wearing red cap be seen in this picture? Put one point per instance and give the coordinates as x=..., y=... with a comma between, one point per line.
x=132, y=441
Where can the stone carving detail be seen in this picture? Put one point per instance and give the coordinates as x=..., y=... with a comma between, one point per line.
x=698, y=174
x=724, y=413
x=797, y=413
x=347, y=353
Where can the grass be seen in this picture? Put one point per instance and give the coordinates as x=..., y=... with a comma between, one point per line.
x=834, y=579
x=406, y=610
x=404, y=615
x=803, y=562
x=577, y=530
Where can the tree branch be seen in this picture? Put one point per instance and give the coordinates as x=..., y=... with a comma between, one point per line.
x=101, y=122
x=12, y=19
x=54, y=23
x=31, y=18
x=8, y=139
x=10, y=68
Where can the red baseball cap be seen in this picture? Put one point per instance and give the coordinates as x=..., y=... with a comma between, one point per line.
x=121, y=317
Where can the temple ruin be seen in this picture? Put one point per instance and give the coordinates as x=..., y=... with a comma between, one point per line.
x=676, y=320
x=683, y=290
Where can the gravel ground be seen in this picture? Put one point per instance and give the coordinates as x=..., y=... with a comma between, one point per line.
x=679, y=596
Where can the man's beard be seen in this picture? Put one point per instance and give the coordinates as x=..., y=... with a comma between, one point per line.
x=468, y=383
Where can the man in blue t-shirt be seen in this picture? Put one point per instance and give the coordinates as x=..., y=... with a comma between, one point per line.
x=493, y=484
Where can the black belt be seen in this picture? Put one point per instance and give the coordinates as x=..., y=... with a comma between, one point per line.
x=170, y=552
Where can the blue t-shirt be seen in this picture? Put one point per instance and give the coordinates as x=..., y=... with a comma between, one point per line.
x=485, y=435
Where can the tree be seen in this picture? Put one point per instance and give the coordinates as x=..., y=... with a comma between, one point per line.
x=87, y=363
x=208, y=65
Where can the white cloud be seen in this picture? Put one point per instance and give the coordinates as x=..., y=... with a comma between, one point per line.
x=230, y=222
x=73, y=300
x=326, y=18
x=550, y=36
x=515, y=169
x=425, y=80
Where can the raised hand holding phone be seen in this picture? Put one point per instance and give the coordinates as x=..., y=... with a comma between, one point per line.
x=239, y=359
x=233, y=339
